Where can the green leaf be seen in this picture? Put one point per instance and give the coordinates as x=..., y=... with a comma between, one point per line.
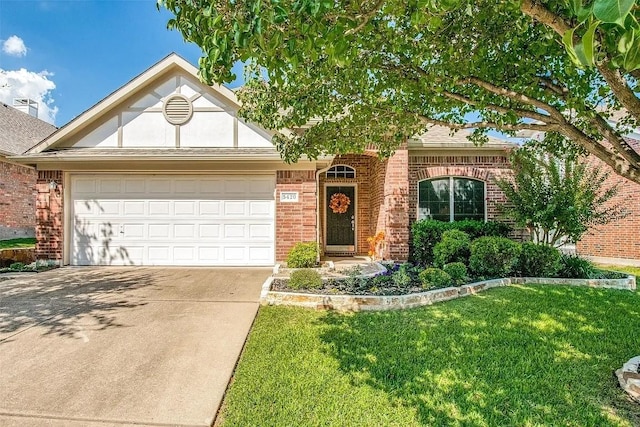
x=567, y=40
x=588, y=43
x=632, y=58
x=626, y=42
x=612, y=11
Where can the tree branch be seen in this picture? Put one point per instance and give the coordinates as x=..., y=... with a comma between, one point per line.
x=516, y=96
x=620, y=88
x=490, y=125
x=504, y=110
x=544, y=16
x=367, y=17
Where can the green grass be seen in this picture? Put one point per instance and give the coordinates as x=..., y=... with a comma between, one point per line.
x=624, y=268
x=26, y=242
x=515, y=356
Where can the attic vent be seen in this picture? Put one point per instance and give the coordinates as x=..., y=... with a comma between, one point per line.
x=177, y=109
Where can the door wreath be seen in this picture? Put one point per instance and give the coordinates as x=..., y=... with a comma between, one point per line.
x=339, y=203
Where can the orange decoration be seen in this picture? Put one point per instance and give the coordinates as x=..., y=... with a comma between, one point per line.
x=339, y=203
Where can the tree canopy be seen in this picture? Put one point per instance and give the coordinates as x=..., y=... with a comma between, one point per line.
x=346, y=75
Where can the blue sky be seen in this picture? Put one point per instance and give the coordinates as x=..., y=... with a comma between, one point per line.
x=87, y=49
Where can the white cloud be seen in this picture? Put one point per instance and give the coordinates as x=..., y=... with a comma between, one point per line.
x=14, y=46
x=28, y=84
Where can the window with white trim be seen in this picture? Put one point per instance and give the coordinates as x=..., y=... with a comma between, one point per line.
x=341, y=171
x=451, y=199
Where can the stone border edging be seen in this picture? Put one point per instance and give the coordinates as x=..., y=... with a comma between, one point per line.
x=397, y=302
x=629, y=378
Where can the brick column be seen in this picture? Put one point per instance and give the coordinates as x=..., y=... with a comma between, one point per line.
x=396, y=205
x=49, y=215
x=295, y=222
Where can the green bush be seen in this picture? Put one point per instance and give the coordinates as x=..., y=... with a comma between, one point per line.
x=574, y=267
x=303, y=255
x=537, y=260
x=453, y=247
x=457, y=271
x=434, y=278
x=402, y=277
x=427, y=233
x=305, y=278
x=16, y=266
x=493, y=256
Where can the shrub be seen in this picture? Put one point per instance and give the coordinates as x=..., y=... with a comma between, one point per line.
x=305, y=278
x=454, y=247
x=433, y=278
x=574, y=267
x=16, y=266
x=427, y=233
x=457, y=271
x=493, y=256
x=402, y=277
x=538, y=260
x=303, y=255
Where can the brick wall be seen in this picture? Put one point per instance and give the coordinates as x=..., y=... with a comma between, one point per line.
x=17, y=201
x=621, y=238
x=295, y=222
x=396, y=202
x=49, y=216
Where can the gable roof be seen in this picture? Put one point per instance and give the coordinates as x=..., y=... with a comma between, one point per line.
x=20, y=131
x=440, y=137
x=171, y=64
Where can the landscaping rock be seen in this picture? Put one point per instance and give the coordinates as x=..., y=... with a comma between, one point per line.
x=9, y=256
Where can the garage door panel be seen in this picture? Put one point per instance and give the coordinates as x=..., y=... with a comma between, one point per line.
x=159, y=208
x=144, y=220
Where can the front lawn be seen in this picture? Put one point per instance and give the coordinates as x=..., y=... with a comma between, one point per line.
x=26, y=242
x=521, y=355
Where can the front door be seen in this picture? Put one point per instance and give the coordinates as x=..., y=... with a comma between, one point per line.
x=340, y=204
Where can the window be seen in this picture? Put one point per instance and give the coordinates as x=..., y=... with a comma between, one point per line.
x=341, y=171
x=451, y=199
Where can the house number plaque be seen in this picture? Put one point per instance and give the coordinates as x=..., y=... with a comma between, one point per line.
x=289, y=197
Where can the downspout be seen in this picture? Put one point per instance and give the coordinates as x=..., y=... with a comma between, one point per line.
x=318, y=172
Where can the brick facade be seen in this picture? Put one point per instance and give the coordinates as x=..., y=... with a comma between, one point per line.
x=17, y=201
x=49, y=214
x=295, y=222
x=620, y=238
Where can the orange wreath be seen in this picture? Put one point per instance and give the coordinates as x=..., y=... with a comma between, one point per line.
x=339, y=203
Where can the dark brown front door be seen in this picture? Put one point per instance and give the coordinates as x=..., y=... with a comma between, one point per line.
x=341, y=226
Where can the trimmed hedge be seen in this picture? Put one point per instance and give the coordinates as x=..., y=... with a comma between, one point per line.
x=537, y=260
x=303, y=255
x=493, y=256
x=453, y=247
x=427, y=233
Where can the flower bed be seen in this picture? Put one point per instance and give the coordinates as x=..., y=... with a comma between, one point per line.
x=398, y=286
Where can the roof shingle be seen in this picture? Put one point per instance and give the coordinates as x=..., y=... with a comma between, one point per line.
x=19, y=131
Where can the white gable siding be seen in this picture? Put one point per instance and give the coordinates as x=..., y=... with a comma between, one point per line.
x=105, y=135
x=252, y=136
x=142, y=123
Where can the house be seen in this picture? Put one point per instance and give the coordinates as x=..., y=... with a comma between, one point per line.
x=20, y=129
x=619, y=241
x=163, y=172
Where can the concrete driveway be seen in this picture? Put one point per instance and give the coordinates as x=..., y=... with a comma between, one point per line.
x=122, y=346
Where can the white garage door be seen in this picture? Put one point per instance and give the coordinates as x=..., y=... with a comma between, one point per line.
x=172, y=220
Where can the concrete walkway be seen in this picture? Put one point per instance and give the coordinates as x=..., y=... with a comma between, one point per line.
x=122, y=346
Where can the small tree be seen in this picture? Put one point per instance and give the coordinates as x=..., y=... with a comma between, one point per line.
x=557, y=198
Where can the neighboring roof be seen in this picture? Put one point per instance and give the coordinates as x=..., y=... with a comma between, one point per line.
x=441, y=137
x=19, y=131
x=171, y=63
